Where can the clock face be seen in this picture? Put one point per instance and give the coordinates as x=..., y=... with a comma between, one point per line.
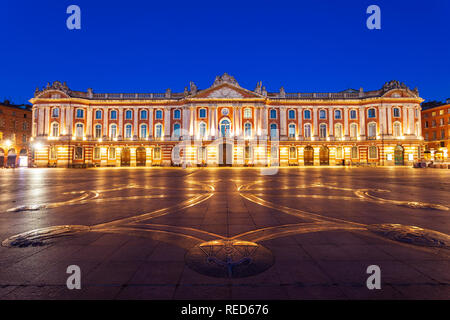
x=225, y=111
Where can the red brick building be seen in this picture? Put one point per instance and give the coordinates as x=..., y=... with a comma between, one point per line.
x=15, y=134
x=436, y=132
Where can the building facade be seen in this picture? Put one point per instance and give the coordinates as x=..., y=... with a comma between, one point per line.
x=226, y=124
x=436, y=132
x=15, y=134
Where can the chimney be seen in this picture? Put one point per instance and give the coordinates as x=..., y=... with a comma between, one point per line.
x=447, y=101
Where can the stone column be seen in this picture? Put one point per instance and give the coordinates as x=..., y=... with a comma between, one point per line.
x=135, y=122
x=315, y=123
x=150, y=123
x=47, y=121
x=346, y=127
x=330, y=122
x=89, y=123
x=299, y=122
x=362, y=122
x=120, y=126
x=282, y=122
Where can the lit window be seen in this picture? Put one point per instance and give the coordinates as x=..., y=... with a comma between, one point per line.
x=113, y=131
x=202, y=129
x=78, y=155
x=111, y=153
x=273, y=130
x=158, y=130
x=307, y=131
x=128, y=115
x=291, y=130
x=322, y=114
x=323, y=130
x=292, y=153
x=373, y=152
x=55, y=129
x=247, y=113
x=337, y=114
x=291, y=114
x=79, y=130
x=273, y=114
x=353, y=130
x=307, y=114
x=98, y=131
x=128, y=131
x=97, y=153
x=338, y=130
x=55, y=112
x=372, y=130
x=355, y=152
x=143, y=133
x=157, y=153
x=339, y=153
x=80, y=113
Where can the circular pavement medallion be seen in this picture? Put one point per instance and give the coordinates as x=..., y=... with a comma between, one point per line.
x=411, y=234
x=229, y=258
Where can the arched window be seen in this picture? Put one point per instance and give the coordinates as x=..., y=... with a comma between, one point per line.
x=98, y=114
x=128, y=115
x=273, y=114
x=397, y=129
x=55, y=129
x=353, y=130
x=113, y=131
x=273, y=130
x=307, y=130
x=225, y=128
x=371, y=113
x=291, y=114
x=111, y=153
x=337, y=114
x=248, y=130
x=158, y=130
x=97, y=153
x=157, y=153
x=292, y=153
x=55, y=112
x=202, y=113
x=247, y=113
x=322, y=114
x=338, y=130
x=177, y=114
x=143, y=131
x=339, y=154
x=159, y=115
x=354, y=152
x=79, y=130
x=291, y=130
x=307, y=114
x=79, y=114
x=98, y=131
x=78, y=153
x=176, y=130
x=373, y=152
x=53, y=153
x=144, y=114
x=202, y=130
x=323, y=130
x=128, y=131
x=396, y=112
x=113, y=115
x=353, y=114
x=372, y=130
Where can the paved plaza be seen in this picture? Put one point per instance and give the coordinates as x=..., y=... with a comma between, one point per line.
x=225, y=233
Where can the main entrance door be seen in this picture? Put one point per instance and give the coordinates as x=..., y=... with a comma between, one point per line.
x=225, y=154
x=398, y=155
x=140, y=157
x=125, y=157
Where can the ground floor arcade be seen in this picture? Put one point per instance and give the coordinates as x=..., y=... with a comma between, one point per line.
x=225, y=152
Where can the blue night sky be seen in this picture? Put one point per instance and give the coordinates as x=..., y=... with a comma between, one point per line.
x=148, y=46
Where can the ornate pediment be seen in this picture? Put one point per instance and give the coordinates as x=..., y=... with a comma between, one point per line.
x=225, y=93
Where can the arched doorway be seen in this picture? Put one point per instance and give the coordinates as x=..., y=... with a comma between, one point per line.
x=324, y=156
x=23, y=158
x=399, y=155
x=125, y=157
x=308, y=156
x=12, y=156
x=140, y=157
x=2, y=158
x=225, y=154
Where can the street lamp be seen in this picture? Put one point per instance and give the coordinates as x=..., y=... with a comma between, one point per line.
x=8, y=143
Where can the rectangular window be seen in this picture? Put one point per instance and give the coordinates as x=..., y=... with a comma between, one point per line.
x=78, y=153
